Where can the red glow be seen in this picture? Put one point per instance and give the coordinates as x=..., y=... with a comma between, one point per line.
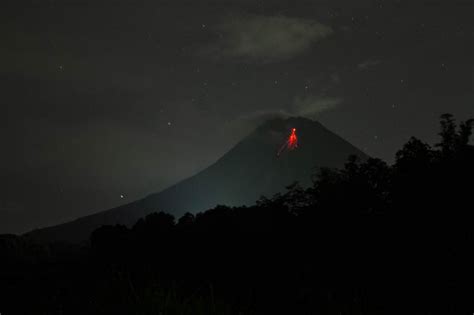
x=291, y=143
x=292, y=140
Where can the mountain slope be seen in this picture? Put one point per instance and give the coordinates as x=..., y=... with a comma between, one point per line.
x=249, y=170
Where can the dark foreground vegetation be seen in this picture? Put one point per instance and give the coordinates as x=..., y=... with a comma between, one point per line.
x=368, y=239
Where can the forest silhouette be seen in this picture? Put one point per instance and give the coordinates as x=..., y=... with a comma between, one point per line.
x=370, y=238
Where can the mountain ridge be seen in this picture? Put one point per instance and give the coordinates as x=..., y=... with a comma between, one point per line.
x=241, y=176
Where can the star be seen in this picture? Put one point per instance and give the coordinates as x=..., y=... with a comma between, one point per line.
x=122, y=196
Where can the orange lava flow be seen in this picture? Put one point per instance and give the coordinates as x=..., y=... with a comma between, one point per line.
x=291, y=143
x=293, y=140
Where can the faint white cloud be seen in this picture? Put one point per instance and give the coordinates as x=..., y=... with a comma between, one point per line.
x=367, y=64
x=311, y=105
x=266, y=38
x=308, y=106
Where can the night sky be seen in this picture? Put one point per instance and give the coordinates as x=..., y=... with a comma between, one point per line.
x=104, y=101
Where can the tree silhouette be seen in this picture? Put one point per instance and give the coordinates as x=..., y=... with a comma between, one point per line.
x=451, y=139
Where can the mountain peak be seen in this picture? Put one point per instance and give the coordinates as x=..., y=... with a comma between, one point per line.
x=280, y=123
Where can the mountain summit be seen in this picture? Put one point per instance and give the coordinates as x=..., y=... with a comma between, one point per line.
x=249, y=170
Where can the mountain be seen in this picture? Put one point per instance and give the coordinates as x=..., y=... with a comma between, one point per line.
x=249, y=170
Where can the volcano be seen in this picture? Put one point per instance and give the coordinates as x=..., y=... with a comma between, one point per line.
x=240, y=177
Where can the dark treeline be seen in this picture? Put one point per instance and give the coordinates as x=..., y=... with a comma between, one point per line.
x=368, y=239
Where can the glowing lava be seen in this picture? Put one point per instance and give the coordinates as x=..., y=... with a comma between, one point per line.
x=291, y=143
